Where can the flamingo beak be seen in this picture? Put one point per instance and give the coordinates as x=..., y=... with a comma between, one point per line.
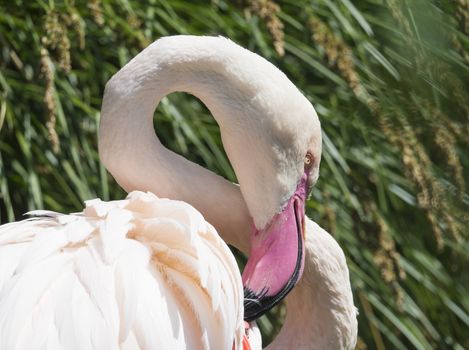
x=276, y=262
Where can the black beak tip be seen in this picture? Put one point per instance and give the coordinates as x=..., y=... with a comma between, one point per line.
x=256, y=305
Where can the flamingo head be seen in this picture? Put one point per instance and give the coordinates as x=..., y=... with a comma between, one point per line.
x=277, y=256
x=276, y=260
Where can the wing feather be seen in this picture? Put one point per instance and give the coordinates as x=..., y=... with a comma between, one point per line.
x=141, y=273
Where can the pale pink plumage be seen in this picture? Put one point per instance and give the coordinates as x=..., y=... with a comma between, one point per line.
x=140, y=273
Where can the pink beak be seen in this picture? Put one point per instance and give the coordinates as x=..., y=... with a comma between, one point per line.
x=276, y=262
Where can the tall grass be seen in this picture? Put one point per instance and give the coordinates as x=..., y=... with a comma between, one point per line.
x=389, y=82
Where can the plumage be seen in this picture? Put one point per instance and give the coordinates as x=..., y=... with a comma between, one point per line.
x=139, y=273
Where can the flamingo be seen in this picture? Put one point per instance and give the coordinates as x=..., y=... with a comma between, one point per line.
x=151, y=271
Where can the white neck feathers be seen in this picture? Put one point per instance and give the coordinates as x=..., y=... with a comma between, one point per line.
x=320, y=310
x=260, y=112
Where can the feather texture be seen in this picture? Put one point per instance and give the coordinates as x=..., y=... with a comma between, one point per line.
x=141, y=273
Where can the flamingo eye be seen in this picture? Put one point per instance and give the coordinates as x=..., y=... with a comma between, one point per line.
x=308, y=161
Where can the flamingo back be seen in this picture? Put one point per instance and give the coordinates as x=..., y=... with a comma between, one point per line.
x=140, y=273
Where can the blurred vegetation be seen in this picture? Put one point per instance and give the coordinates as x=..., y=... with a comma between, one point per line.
x=388, y=79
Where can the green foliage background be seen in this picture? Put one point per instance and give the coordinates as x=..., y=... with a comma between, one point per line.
x=388, y=79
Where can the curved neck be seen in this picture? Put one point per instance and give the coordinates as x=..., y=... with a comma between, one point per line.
x=135, y=157
x=320, y=310
x=242, y=92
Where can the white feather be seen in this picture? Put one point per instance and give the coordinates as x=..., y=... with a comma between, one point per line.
x=143, y=273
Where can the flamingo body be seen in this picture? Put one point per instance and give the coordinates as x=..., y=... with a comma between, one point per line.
x=140, y=273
